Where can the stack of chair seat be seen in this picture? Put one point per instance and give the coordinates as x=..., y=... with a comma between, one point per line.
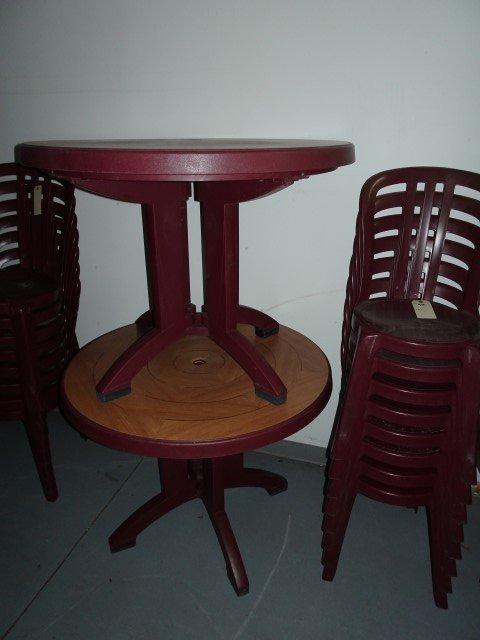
x=39, y=293
x=406, y=426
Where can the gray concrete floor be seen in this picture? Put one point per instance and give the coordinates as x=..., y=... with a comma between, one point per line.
x=59, y=579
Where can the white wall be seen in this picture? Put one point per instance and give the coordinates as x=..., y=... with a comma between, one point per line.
x=398, y=78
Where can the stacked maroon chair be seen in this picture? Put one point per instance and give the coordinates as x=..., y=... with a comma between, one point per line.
x=406, y=425
x=39, y=293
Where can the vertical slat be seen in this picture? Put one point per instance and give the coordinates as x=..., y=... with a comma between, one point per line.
x=414, y=282
x=402, y=254
x=49, y=253
x=440, y=233
x=23, y=217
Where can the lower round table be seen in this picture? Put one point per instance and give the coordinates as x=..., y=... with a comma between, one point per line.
x=193, y=408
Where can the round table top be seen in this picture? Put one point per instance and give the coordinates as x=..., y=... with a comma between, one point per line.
x=186, y=160
x=193, y=400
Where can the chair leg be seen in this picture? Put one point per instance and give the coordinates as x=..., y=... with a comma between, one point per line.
x=345, y=443
x=34, y=415
x=334, y=529
x=437, y=558
x=37, y=432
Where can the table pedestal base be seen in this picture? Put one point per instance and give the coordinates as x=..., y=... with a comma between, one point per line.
x=184, y=480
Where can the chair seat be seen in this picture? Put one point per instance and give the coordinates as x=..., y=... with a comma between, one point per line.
x=18, y=284
x=398, y=318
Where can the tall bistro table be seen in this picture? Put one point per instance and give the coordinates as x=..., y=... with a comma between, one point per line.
x=194, y=389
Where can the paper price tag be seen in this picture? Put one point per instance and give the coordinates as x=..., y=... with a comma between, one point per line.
x=37, y=200
x=423, y=309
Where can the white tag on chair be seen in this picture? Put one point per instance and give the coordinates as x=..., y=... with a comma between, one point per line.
x=423, y=309
x=37, y=200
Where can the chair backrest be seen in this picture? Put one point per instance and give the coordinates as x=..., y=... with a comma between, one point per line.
x=38, y=230
x=417, y=236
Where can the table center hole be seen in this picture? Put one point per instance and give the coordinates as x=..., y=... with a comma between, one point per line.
x=198, y=362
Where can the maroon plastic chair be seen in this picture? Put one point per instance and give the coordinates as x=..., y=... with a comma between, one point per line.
x=39, y=293
x=406, y=426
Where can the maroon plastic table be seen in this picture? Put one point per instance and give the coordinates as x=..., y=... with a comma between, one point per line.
x=158, y=175
x=193, y=405
x=194, y=409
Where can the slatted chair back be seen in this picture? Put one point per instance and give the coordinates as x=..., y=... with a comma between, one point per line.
x=417, y=236
x=38, y=230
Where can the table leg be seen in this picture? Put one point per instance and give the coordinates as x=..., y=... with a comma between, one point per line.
x=184, y=480
x=214, y=501
x=220, y=264
x=166, y=251
x=239, y=476
x=177, y=488
x=171, y=313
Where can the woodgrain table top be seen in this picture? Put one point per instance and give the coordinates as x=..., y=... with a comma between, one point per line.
x=193, y=400
x=186, y=159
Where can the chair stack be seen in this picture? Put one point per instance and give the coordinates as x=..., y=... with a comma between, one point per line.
x=407, y=421
x=39, y=292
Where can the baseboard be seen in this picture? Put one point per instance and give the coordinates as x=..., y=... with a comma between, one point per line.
x=296, y=451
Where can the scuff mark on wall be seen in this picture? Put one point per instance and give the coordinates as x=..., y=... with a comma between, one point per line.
x=304, y=297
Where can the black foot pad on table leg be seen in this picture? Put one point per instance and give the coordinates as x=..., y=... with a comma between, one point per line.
x=279, y=489
x=269, y=397
x=265, y=333
x=107, y=397
x=122, y=547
